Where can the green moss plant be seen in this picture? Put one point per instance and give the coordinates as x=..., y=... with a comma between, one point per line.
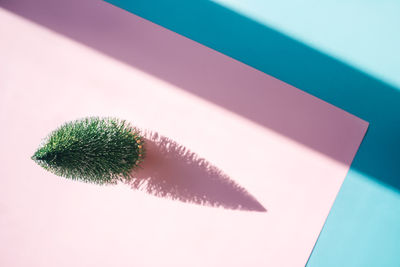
x=95, y=150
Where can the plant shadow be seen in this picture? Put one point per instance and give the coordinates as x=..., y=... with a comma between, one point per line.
x=172, y=171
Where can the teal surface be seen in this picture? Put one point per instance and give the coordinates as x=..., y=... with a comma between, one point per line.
x=344, y=52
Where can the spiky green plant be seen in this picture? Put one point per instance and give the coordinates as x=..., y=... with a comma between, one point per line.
x=97, y=150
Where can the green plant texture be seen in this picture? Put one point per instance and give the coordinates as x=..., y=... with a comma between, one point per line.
x=95, y=150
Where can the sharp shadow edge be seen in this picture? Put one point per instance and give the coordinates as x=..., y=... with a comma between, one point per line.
x=174, y=172
x=259, y=46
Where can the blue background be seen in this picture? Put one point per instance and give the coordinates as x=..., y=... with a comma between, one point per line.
x=344, y=52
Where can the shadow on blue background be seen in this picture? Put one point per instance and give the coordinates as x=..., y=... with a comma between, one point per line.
x=297, y=64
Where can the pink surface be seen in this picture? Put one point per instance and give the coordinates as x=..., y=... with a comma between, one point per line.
x=291, y=156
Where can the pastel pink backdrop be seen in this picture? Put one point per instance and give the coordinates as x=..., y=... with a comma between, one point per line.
x=50, y=221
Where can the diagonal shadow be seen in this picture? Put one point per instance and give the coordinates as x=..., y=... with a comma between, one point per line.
x=172, y=171
x=113, y=32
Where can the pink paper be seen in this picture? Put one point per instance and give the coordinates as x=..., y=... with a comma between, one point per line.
x=292, y=165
